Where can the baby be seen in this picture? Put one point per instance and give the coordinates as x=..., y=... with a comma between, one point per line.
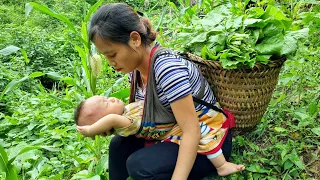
x=99, y=115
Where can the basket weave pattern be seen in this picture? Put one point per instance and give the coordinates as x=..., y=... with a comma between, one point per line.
x=245, y=92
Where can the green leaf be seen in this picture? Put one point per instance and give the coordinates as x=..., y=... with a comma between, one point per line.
x=212, y=19
x=302, y=115
x=275, y=13
x=200, y=38
x=273, y=28
x=24, y=53
x=313, y=108
x=256, y=168
x=36, y=74
x=294, y=173
x=173, y=6
x=280, y=129
x=54, y=75
x=316, y=131
x=9, y=50
x=28, y=9
x=249, y=21
x=26, y=149
x=12, y=173
x=271, y=45
x=3, y=160
x=49, y=12
x=69, y=81
x=96, y=177
x=12, y=85
x=80, y=175
x=293, y=156
x=264, y=59
x=291, y=40
x=100, y=166
x=92, y=9
x=287, y=165
x=122, y=94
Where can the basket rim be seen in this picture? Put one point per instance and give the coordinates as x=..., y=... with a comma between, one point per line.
x=258, y=66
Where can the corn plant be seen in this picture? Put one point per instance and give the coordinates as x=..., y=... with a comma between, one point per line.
x=87, y=75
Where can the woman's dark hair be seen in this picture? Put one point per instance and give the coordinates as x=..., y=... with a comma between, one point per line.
x=115, y=22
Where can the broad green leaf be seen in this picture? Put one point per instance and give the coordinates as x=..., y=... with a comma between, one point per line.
x=54, y=75
x=280, y=129
x=212, y=19
x=36, y=74
x=271, y=45
x=26, y=149
x=313, y=108
x=293, y=156
x=4, y=155
x=9, y=50
x=264, y=59
x=49, y=12
x=69, y=81
x=3, y=160
x=13, y=84
x=276, y=13
x=100, y=166
x=173, y=6
x=287, y=165
x=12, y=173
x=200, y=38
x=294, y=173
x=289, y=46
x=96, y=177
x=28, y=9
x=256, y=168
x=273, y=28
x=248, y=22
x=92, y=9
x=122, y=94
x=291, y=40
x=81, y=175
x=316, y=131
x=255, y=12
x=302, y=115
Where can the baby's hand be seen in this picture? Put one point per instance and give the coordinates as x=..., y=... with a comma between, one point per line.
x=85, y=131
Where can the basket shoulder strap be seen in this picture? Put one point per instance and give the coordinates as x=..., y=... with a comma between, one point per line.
x=200, y=101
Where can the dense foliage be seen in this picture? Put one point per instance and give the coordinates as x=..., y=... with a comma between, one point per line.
x=45, y=71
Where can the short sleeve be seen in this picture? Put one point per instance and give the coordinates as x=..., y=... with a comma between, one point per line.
x=172, y=75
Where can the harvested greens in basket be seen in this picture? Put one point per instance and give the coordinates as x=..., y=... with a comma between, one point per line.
x=257, y=36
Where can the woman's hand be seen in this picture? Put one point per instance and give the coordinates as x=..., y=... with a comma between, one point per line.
x=185, y=114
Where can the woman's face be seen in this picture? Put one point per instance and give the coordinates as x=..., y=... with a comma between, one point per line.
x=122, y=57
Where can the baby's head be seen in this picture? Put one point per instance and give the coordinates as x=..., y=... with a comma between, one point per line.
x=96, y=107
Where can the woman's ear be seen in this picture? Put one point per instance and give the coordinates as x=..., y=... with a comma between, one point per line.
x=135, y=39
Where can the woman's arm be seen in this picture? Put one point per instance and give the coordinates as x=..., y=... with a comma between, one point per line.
x=104, y=124
x=185, y=114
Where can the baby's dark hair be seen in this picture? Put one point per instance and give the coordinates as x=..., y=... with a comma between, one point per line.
x=77, y=112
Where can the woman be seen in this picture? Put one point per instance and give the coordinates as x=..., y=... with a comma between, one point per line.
x=126, y=40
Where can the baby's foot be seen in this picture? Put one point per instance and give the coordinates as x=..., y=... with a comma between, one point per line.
x=229, y=168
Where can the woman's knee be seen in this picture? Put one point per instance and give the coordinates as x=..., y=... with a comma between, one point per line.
x=136, y=168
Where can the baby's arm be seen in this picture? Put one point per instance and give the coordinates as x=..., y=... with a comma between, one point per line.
x=104, y=124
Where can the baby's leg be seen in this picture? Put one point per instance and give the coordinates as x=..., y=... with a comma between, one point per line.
x=224, y=167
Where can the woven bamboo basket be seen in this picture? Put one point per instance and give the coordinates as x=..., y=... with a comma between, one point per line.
x=245, y=92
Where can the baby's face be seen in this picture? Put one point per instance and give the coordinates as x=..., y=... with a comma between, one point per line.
x=97, y=107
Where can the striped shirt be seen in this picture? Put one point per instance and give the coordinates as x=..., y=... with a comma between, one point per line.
x=176, y=78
